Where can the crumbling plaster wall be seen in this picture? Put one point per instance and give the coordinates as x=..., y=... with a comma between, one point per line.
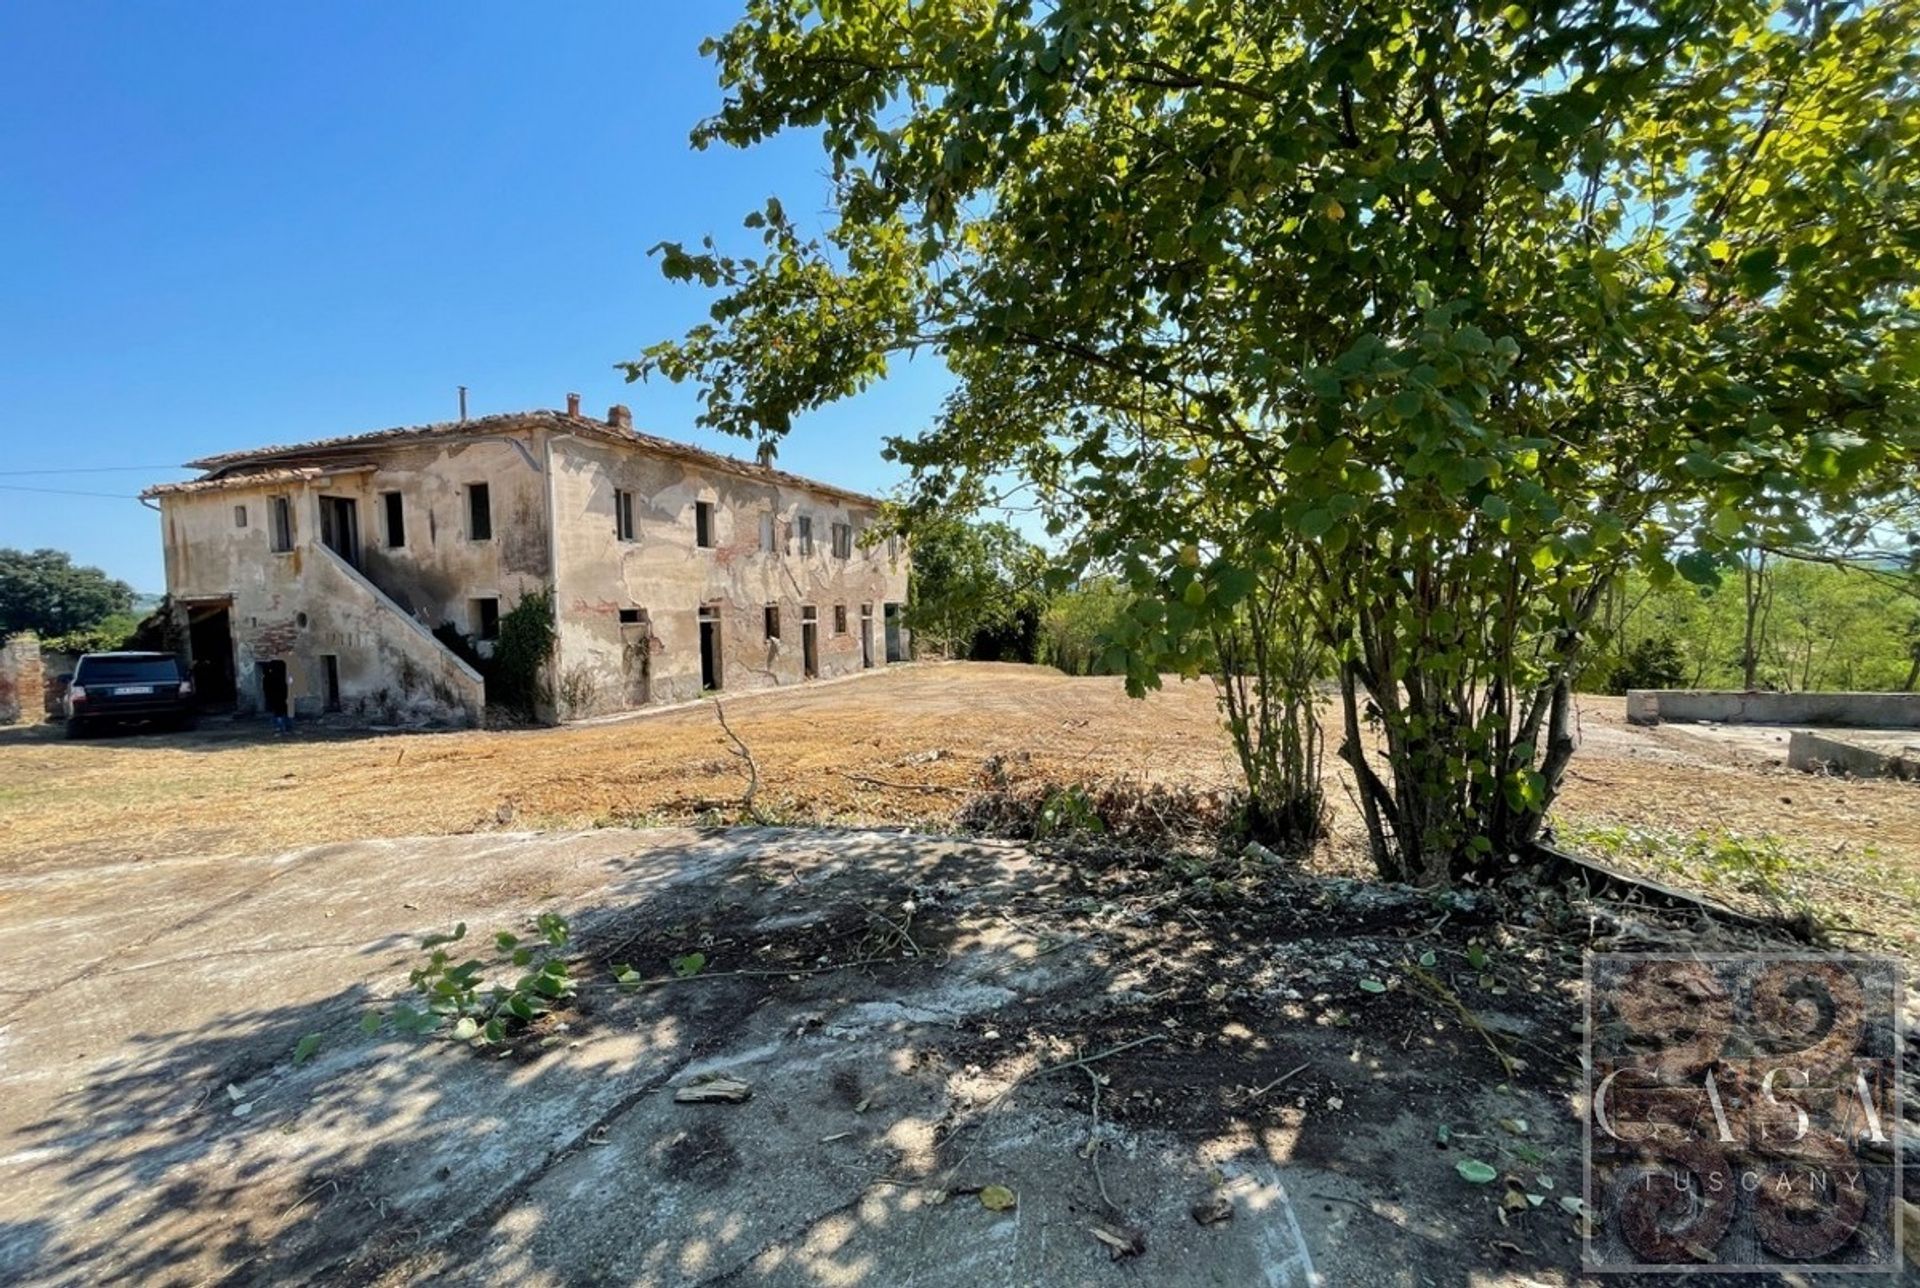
x=604, y=666
x=287, y=605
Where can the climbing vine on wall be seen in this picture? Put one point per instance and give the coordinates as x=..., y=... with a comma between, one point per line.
x=515, y=672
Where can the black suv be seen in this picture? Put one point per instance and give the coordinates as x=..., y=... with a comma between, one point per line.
x=119, y=688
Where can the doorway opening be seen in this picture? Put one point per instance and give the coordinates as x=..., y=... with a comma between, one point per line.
x=636, y=654
x=210, y=646
x=866, y=635
x=896, y=650
x=274, y=695
x=330, y=676
x=810, y=642
x=340, y=527
x=710, y=649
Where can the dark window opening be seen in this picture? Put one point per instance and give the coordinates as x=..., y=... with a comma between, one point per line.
x=632, y=616
x=239, y=516
x=396, y=520
x=806, y=535
x=703, y=524
x=486, y=619
x=479, y=513
x=773, y=621
x=330, y=665
x=622, y=514
x=839, y=619
x=280, y=515
x=843, y=541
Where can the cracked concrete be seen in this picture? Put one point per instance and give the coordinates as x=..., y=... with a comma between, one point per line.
x=155, y=1127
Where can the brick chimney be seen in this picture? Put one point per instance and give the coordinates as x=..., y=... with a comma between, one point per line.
x=619, y=417
x=573, y=405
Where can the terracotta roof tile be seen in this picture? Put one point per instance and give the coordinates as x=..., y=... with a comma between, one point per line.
x=502, y=423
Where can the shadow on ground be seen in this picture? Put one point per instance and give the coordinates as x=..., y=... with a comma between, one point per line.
x=906, y=1010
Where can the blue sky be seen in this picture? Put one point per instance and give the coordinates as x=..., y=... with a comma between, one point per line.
x=223, y=225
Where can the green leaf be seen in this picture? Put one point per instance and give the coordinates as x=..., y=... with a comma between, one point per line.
x=370, y=1023
x=467, y=1029
x=688, y=965
x=997, y=1198
x=1475, y=1171
x=303, y=1049
x=1373, y=986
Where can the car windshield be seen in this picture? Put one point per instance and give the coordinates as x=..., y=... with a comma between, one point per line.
x=127, y=670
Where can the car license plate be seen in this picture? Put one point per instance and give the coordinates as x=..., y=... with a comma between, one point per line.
x=129, y=690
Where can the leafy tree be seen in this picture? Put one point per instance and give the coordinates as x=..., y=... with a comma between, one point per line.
x=1079, y=625
x=1474, y=306
x=975, y=589
x=1652, y=663
x=44, y=591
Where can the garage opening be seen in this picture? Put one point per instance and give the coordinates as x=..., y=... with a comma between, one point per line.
x=810, y=642
x=710, y=649
x=866, y=635
x=210, y=646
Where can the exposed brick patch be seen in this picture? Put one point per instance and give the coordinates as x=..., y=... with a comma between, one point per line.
x=23, y=679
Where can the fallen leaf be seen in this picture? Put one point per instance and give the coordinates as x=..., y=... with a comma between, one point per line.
x=1472, y=1169
x=997, y=1198
x=1212, y=1210
x=1373, y=986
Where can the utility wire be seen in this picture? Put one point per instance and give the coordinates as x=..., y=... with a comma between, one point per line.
x=65, y=491
x=93, y=469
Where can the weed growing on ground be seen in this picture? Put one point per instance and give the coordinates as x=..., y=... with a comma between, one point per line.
x=1762, y=866
x=482, y=1012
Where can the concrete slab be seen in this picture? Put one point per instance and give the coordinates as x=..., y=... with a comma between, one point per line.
x=155, y=1127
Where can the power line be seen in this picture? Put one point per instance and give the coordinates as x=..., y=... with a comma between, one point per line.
x=93, y=469
x=64, y=491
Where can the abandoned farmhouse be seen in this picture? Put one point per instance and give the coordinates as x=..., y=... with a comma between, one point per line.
x=366, y=574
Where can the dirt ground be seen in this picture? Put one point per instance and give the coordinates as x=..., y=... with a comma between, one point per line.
x=905, y=746
x=1182, y=1068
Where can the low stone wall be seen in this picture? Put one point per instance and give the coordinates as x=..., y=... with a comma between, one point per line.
x=1846, y=710
x=1817, y=755
x=23, y=681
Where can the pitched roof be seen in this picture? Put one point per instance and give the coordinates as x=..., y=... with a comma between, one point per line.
x=558, y=422
x=258, y=478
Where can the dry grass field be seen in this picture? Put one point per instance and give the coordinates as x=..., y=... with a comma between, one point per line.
x=907, y=747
